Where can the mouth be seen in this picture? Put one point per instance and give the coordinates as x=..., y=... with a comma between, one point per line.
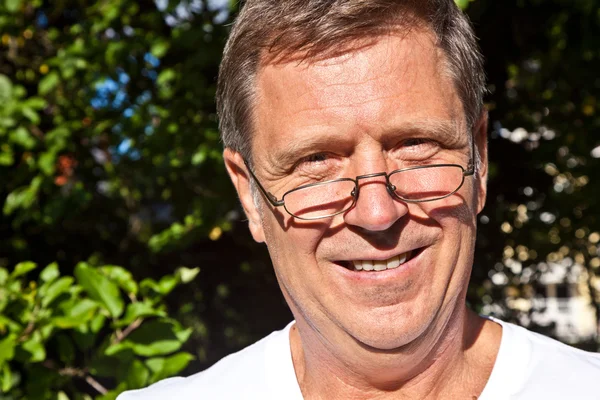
x=370, y=266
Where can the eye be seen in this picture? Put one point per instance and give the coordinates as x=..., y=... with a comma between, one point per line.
x=415, y=142
x=318, y=166
x=315, y=158
x=415, y=149
x=419, y=145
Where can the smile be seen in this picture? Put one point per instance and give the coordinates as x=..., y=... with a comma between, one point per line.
x=381, y=265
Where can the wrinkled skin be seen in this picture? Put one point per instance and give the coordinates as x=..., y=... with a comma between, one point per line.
x=375, y=109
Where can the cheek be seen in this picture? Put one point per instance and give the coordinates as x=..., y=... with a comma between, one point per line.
x=460, y=208
x=444, y=217
x=291, y=243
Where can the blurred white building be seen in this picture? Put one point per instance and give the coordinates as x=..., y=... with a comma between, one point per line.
x=561, y=296
x=567, y=303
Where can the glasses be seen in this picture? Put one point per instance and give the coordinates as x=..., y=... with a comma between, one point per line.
x=412, y=185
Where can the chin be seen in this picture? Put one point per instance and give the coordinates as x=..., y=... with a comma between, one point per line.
x=392, y=331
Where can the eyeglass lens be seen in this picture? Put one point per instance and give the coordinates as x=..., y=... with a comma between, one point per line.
x=419, y=184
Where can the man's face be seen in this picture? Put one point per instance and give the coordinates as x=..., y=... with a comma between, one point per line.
x=383, y=107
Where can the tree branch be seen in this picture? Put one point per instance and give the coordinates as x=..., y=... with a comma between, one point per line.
x=76, y=372
x=31, y=325
x=95, y=384
x=132, y=327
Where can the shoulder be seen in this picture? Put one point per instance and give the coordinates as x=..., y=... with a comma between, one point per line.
x=530, y=365
x=238, y=375
x=542, y=352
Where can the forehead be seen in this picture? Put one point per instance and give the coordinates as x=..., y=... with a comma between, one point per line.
x=400, y=81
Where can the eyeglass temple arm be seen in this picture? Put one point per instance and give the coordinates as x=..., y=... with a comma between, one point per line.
x=471, y=166
x=270, y=197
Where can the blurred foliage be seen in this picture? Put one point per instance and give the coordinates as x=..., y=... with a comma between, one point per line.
x=110, y=155
x=543, y=209
x=69, y=335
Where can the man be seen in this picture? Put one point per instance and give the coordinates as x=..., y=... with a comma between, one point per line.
x=355, y=136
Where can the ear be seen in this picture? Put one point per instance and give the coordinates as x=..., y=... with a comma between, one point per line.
x=480, y=137
x=241, y=180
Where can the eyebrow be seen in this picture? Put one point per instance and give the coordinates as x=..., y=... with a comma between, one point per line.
x=304, y=146
x=443, y=130
x=440, y=129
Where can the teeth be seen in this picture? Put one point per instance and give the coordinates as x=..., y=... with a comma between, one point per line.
x=381, y=265
x=394, y=262
x=403, y=257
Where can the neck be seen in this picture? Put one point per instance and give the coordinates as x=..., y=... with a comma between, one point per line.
x=457, y=360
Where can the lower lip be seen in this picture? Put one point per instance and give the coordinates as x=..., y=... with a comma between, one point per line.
x=389, y=274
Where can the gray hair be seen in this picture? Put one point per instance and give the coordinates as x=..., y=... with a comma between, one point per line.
x=270, y=30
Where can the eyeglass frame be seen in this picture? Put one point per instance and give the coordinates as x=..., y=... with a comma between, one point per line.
x=272, y=199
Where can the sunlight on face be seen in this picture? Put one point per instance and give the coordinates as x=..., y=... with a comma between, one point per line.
x=380, y=108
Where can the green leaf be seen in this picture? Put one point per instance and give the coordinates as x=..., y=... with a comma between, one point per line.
x=48, y=83
x=149, y=285
x=165, y=76
x=122, y=277
x=23, y=268
x=58, y=137
x=23, y=197
x=6, y=157
x=62, y=396
x=31, y=115
x=50, y=273
x=7, y=122
x=7, y=349
x=160, y=48
x=112, y=394
x=47, y=330
x=184, y=335
x=138, y=375
x=139, y=310
x=103, y=366
x=35, y=348
x=199, y=157
x=84, y=310
x=167, y=283
x=187, y=275
x=6, y=322
x=66, y=322
x=112, y=51
x=80, y=313
x=164, y=367
x=6, y=89
x=12, y=6
x=100, y=288
x=23, y=138
x=47, y=162
x=463, y=4
x=97, y=322
x=56, y=289
x=8, y=379
x=36, y=103
x=153, y=338
x=77, y=313
x=3, y=276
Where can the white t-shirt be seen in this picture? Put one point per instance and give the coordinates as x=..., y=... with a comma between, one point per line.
x=529, y=366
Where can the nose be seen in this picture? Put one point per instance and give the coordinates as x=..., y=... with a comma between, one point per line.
x=375, y=209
